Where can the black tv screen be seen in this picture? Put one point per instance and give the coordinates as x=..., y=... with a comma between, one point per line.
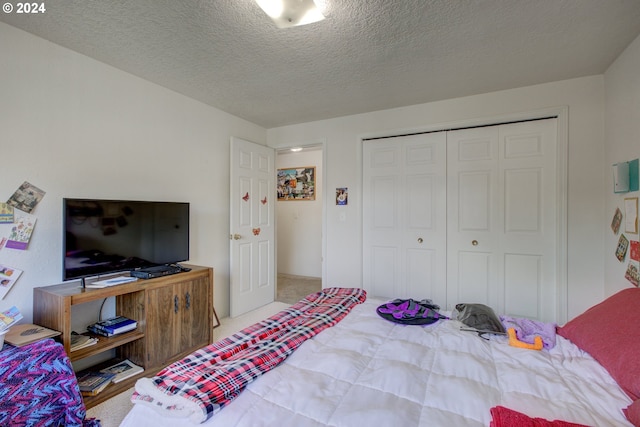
x=109, y=236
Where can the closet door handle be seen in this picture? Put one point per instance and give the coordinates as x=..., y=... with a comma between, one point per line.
x=474, y=242
x=176, y=303
x=420, y=240
x=187, y=297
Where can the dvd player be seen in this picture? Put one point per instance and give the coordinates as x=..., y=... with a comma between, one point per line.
x=155, y=271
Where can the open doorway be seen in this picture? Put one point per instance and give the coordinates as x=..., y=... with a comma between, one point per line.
x=299, y=220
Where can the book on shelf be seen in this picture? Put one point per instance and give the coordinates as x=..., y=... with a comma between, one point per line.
x=9, y=318
x=123, y=370
x=81, y=341
x=94, y=330
x=116, y=325
x=91, y=383
x=28, y=333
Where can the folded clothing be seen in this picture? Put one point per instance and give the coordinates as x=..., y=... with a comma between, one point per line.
x=505, y=417
x=528, y=329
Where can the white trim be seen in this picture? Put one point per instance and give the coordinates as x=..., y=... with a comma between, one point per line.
x=562, y=160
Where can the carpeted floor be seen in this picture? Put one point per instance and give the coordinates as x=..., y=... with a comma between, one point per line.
x=290, y=290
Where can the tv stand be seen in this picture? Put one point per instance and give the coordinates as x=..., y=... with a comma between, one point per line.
x=174, y=314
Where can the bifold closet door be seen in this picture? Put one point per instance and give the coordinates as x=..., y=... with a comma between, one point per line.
x=404, y=217
x=501, y=216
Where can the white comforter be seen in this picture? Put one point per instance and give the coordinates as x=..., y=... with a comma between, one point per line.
x=366, y=371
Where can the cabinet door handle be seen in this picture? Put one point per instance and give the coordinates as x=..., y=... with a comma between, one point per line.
x=188, y=300
x=176, y=302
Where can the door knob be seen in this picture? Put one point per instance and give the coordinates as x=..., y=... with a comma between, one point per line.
x=420, y=240
x=234, y=236
x=474, y=242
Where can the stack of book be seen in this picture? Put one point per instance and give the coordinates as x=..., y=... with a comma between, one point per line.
x=81, y=341
x=114, y=326
x=91, y=383
x=123, y=370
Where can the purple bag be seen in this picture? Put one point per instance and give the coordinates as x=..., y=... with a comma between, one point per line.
x=410, y=312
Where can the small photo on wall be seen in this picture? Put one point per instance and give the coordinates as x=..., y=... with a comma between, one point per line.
x=26, y=197
x=634, y=250
x=6, y=213
x=8, y=276
x=621, y=250
x=342, y=196
x=632, y=274
x=617, y=220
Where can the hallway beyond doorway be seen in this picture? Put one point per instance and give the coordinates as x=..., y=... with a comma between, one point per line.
x=292, y=289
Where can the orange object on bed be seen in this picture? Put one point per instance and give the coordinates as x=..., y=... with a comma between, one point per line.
x=515, y=342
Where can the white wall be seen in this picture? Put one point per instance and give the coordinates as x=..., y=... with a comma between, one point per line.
x=78, y=128
x=622, y=143
x=75, y=127
x=299, y=223
x=585, y=100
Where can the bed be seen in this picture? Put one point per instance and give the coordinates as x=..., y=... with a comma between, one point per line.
x=38, y=387
x=364, y=370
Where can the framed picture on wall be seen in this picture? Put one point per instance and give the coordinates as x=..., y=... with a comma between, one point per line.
x=297, y=183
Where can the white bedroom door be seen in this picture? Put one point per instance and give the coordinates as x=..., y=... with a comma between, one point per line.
x=252, y=228
x=465, y=216
x=404, y=217
x=502, y=225
x=473, y=215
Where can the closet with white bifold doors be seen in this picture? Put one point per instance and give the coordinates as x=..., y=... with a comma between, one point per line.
x=466, y=215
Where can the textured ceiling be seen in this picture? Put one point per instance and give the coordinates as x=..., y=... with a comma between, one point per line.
x=367, y=55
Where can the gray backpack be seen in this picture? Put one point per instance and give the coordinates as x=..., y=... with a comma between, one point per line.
x=480, y=318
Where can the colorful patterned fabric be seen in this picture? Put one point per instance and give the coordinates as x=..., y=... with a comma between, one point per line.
x=204, y=382
x=39, y=388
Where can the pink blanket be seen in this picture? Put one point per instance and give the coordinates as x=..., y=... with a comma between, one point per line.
x=505, y=417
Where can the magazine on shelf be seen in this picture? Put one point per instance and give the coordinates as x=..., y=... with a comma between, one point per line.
x=123, y=370
x=92, y=383
x=27, y=333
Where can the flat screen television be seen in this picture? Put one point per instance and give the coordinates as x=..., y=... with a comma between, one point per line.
x=110, y=236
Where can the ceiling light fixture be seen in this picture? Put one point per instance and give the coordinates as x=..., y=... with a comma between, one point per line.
x=289, y=13
x=296, y=149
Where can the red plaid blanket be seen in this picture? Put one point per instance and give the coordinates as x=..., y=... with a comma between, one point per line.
x=202, y=383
